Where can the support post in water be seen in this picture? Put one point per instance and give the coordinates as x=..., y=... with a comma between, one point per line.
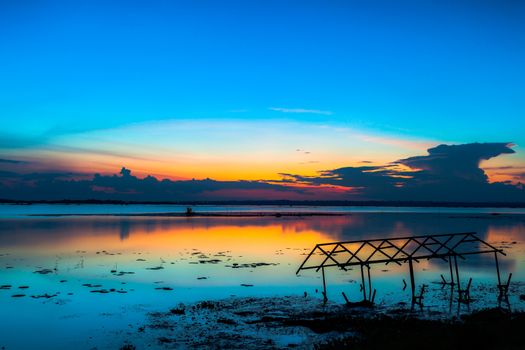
x=363, y=285
x=503, y=288
x=412, y=280
x=325, y=298
x=369, y=283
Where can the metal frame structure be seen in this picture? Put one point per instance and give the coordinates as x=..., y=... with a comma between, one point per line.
x=400, y=250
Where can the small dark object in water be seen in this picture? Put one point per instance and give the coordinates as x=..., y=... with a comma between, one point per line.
x=189, y=211
x=246, y=285
x=23, y=287
x=44, y=271
x=164, y=288
x=92, y=285
x=128, y=347
x=202, y=278
x=17, y=295
x=522, y=297
x=155, y=268
x=141, y=260
x=251, y=265
x=47, y=296
x=179, y=311
x=5, y=286
x=122, y=273
x=62, y=281
x=211, y=261
x=101, y=291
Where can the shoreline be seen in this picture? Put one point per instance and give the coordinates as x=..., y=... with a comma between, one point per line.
x=204, y=214
x=313, y=203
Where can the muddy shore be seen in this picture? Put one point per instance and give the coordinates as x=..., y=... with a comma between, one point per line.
x=305, y=323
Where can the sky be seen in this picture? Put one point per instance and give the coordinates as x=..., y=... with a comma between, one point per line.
x=271, y=93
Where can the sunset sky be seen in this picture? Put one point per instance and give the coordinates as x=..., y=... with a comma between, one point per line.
x=280, y=93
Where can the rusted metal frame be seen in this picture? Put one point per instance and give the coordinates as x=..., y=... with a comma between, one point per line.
x=401, y=249
x=489, y=245
x=439, y=248
x=393, y=259
x=460, y=241
x=328, y=256
x=421, y=245
x=403, y=259
x=370, y=256
x=444, y=244
x=305, y=260
x=426, y=246
x=380, y=249
x=354, y=255
x=397, y=238
x=331, y=258
x=345, y=249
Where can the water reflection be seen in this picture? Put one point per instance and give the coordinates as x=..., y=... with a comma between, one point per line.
x=184, y=247
x=102, y=265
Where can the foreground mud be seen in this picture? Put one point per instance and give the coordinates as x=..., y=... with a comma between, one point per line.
x=305, y=323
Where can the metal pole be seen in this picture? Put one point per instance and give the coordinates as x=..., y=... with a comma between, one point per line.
x=324, y=285
x=451, y=274
x=363, y=282
x=369, y=283
x=497, y=267
x=412, y=281
x=457, y=273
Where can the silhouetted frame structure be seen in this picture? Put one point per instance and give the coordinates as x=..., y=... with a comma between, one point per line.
x=400, y=250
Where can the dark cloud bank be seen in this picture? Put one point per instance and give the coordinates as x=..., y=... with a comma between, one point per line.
x=449, y=173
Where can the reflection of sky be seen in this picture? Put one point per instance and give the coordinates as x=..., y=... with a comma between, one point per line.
x=86, y=249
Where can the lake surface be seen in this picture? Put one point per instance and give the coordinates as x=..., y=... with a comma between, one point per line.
x=154, y=263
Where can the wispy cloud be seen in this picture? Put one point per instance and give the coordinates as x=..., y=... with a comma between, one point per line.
x=299, y=110
x=11, y=161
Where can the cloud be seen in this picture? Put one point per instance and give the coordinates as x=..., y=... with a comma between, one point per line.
x=300, y=110
x=447, y=173
x=11, y=161
x=457, y=161
x=125, y=186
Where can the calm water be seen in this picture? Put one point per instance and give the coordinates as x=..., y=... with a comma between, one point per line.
x=154, y=263
x=8, y=210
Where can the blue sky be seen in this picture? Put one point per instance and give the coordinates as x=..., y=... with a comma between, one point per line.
x=423, y=71
x=431, y=69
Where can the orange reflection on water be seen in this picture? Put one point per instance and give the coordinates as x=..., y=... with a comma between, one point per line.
x=254, y=237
